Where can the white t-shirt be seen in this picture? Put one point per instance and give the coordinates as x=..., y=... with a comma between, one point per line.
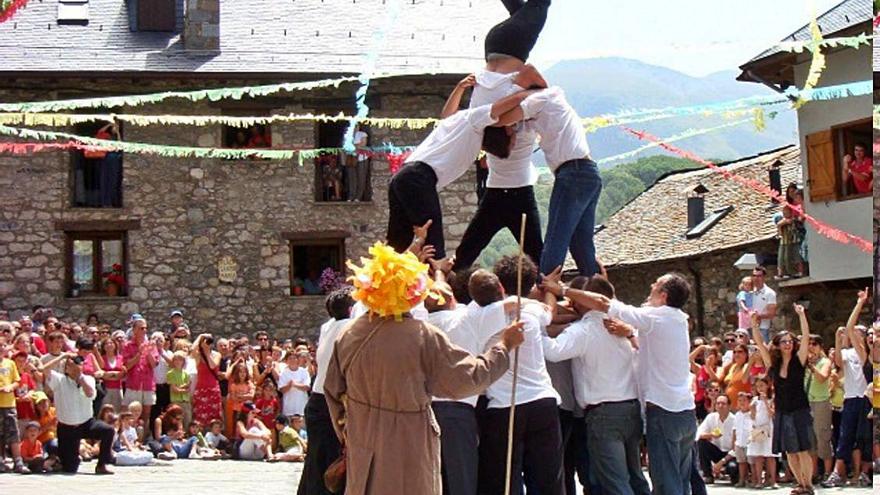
x=713, y=422
x=742, y=425
x=664, y=347
x=160, y=371
x=763, y=298
x=294, y=400
x=562, y=135
x=533, y=382
x=454, y=144
x=72, y=405
x=602, y=364
x=854, y=383
x=360, y=139
x=329, y=331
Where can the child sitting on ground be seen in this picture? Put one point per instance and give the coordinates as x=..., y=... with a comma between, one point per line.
x=215, y=437
x=201, y=450
x=291, y=448
x=32, y=450
x=136, y=410
x=129, y=451
x=298, y=423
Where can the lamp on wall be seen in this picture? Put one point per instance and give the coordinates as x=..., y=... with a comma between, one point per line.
x=746, y=262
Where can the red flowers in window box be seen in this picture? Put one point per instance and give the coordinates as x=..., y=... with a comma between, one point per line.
x=115, y=277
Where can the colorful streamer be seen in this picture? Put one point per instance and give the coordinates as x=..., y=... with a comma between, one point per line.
x=367, y=73
x=817, y=65
x=822, y=228
x=8, y=8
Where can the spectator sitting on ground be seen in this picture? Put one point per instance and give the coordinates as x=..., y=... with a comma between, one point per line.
x=291, y=447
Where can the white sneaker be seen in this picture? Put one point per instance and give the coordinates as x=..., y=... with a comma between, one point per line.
x=167, y=456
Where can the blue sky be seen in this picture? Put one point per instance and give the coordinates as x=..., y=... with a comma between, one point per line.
x=691, y=36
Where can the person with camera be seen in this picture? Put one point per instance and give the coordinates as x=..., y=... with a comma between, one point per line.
x=74, y=392
x=139, y=357
x=206, y=398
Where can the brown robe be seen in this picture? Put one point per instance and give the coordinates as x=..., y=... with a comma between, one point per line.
x=383, y=398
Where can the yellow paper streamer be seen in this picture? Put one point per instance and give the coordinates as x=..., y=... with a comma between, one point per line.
x=817, y=65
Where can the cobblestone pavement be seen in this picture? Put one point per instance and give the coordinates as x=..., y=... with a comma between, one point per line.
x=217, y=478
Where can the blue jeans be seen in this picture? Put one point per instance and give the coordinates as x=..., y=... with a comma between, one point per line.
x=765, y=332
x=181, y=447
x=571, y=217
x=670, y=438
x=614, y=432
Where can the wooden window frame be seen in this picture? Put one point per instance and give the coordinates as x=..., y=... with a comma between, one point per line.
x=96, y=236
x=245, y=111
x=839, y=151
x=319, y=176
x=75, y=153
x=331, y=238
x=828, y=146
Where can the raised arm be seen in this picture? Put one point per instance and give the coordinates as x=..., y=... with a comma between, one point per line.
x=759, y=339
x=508, y=104
x=855, y=338
x=804, y=349
x=454, y=100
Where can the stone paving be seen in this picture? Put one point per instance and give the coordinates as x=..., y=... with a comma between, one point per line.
x=216, y=478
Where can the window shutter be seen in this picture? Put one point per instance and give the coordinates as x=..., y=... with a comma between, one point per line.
x=820, y=166
x=156, y=15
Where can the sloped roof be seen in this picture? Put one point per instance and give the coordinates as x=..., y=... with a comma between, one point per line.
x=844, y=17
x=652, y=227
x=256, y=36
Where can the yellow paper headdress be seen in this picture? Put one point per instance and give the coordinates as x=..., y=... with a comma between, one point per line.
x=390, y=283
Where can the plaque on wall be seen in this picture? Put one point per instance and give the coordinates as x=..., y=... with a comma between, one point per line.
x=227, y=269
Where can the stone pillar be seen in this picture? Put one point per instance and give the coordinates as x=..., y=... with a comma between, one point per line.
x=202, y=25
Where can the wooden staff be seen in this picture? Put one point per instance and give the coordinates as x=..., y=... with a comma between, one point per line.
x=519, y=270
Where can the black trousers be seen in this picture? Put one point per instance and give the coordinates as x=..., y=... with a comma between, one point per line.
x=163, y=400
x=500, y=208
x=412, y=201
x=537, y=450
x=516, y=36
x=459, y=440
x=324, y=447
x=709, y=454
x=69, y=437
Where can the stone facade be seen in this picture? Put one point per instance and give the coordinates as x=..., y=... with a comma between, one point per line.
x=829, y=306
x=192, y=212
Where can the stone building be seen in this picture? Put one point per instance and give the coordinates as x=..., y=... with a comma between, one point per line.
x=172, y=223
x=657, y=233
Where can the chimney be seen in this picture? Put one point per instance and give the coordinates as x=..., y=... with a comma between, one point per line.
x=201, y=29
x=696, y=206
x=776, y=177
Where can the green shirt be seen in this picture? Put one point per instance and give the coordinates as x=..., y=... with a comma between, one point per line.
x=288, y=437
x=816, y=390
x=179, y=378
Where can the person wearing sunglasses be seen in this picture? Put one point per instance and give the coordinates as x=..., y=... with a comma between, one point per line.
x=792, y=423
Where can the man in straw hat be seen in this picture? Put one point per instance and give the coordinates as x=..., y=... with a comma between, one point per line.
x=384, y=370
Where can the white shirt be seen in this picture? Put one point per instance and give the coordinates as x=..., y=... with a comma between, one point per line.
x=160, y=371
x=454, y=144
x=563, y=137
x=326, y=339
x=713, y=422
x=663, y=365
x=360, y=139
x=742, y=425
x=214, y=440
x=763, y=298
x=294, y=400
x=854, y=383
x=603, y=365
x=72, y=405
x=533, y=382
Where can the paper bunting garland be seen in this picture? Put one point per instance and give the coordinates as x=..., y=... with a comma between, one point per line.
x=822, y=228
x=817, y=65
x=8, y=8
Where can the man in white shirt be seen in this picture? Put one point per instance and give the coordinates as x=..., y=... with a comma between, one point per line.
x=439, y=160
x=603, y=368
x=764, y=301
x=324, y=445
x=74, y=393
x=577, y=185
x=663, y=374
x=715, y=437
x=537, y=437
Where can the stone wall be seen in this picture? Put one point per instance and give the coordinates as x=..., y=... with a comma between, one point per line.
x=192, y=212
x=829, y=306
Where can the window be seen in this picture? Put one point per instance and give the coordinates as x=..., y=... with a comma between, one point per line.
x=341, y=177
x=97, y=263
x=709, y=222
x=316, y=259
x=152, y=15
x=255, y=136
x=73, y=12
x=97, y=175
x=839, y=162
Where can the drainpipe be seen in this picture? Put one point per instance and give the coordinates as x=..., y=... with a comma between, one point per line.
x=770, y=85
x=698, y=291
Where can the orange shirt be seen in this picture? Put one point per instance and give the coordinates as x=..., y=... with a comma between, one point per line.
x=734, y=382
x=45, y=420
x=31, y=450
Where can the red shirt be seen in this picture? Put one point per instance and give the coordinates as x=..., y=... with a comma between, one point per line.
x=31, y=450
x=39, y=343
x=268, y=410
x=24, y=406
x=866, y=166
x=139, y=376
